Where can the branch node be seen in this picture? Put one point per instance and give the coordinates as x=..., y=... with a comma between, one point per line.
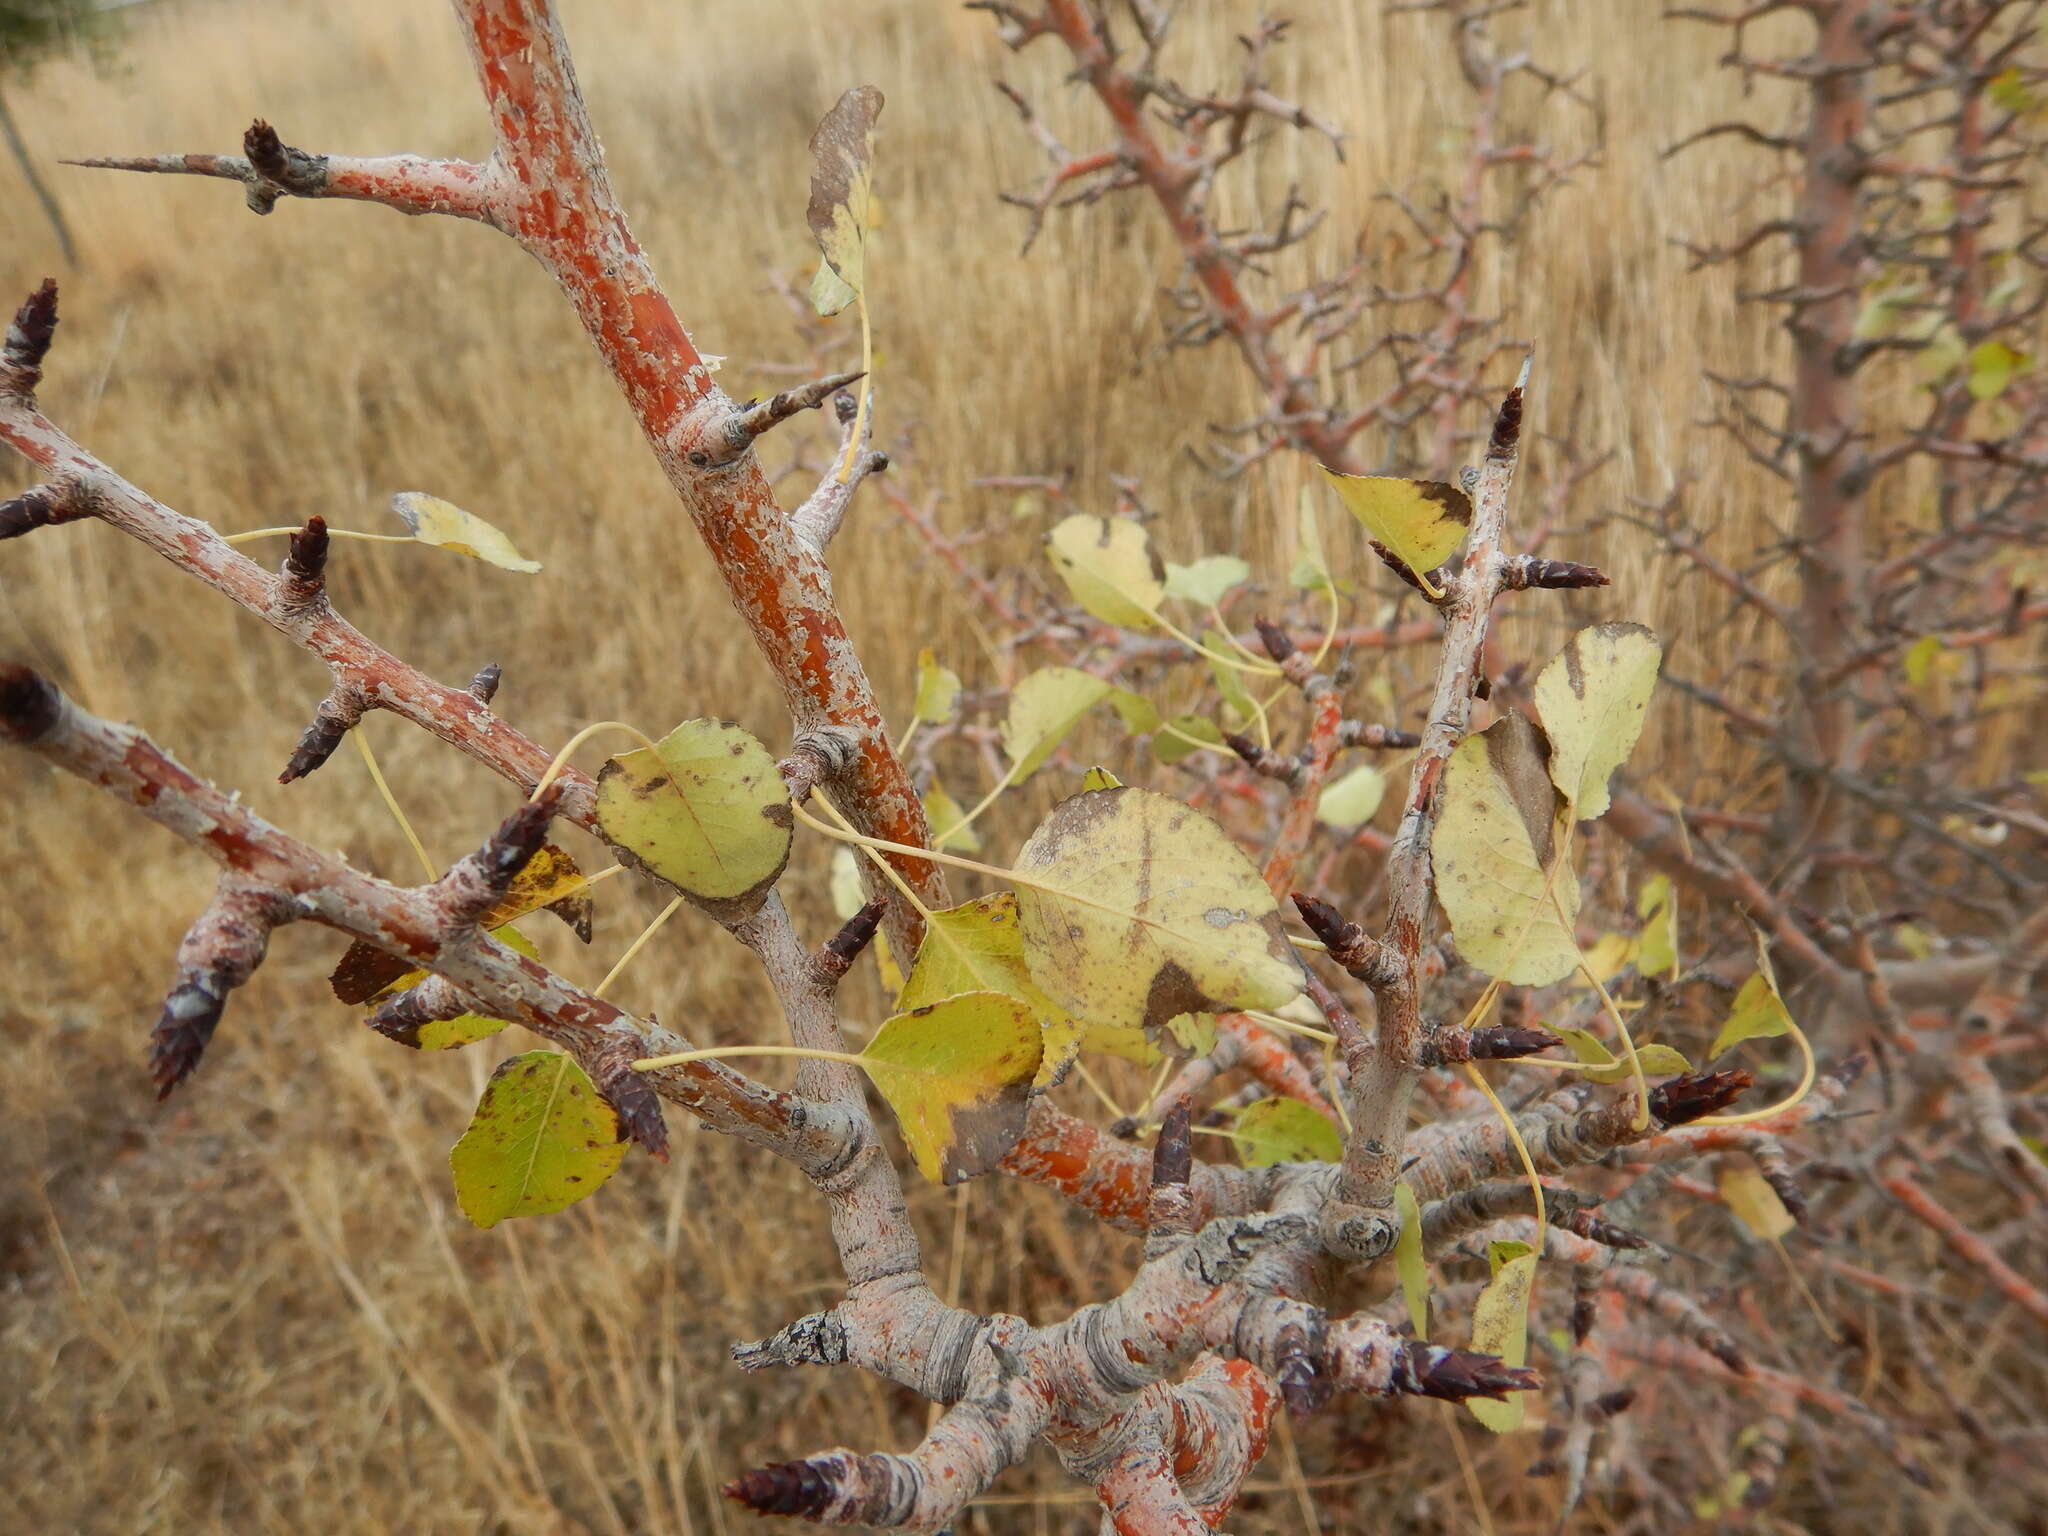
x=838, y=953
x=28, y=341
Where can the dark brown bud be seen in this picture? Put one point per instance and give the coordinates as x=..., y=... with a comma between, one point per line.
x=30, y=704
x=836, y=958
x=631, y=1095
x=1173, y=1155
x=1430, y=1370
x=1685, y=1099
x=40, y=506
x=802, y=1489
x=28, y=340
x=1278, y=643
x=484, y=686
x=306, y=563
x=1507, y=427
x=191, y=1015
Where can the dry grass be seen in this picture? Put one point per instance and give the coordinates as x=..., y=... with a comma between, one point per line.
x=257, y=1309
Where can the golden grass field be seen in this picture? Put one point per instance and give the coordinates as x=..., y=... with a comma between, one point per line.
x=256, y=1308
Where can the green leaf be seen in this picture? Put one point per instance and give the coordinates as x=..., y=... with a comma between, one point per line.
x=1351, y=800
x=706, y=810
x=1657, y=944
x=2008, y=92
x=1140, y=716
x=1311, y=570
x=1169, y=747
x=1759, y=1013
x=447, y=526
x=1603, y=1066
x=1994, y=365
x=841, y=209
x=1422, y=522
x=938, y=689
x=958, y=1075
x=1099, y=777
x=1044, y=707
x=1593, y=696
x=1409, y=1262
x=1496, y=840
x=1107, y=564
x=1139, y=908
x=945, y=815
x=542, y=1138
x=1207, y=580
x=1500, y=1326
x=1283, y=1130
x=1229, y=681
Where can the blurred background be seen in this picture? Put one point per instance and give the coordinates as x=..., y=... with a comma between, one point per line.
x=256, y=1308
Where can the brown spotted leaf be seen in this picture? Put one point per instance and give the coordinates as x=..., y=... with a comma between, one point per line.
x=1136, y=908
x=542, y=1138
x=842, y=197
x=958, y=1075
x=1421, y=521
x=706, y=810
x=1501, y=867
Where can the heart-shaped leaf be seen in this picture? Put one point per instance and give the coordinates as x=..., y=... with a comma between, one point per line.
x=1137, y=908
x=706, y=810
x=542, y=1138
x=958, y=1075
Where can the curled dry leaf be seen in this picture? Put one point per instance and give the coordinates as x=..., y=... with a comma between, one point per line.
x=550, y=880
x=958, y=1074
x=1500, y=1326
x=1593, y=696
x=542, y=1138
x=1107, y=563
x=842, y=204
x=1138, y=908
x=706, y=810
x=1422, y=522
x=1502, y=874
x=447, y=526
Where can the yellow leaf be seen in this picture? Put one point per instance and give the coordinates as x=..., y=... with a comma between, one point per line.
x=1752, y=1201
x=958, y=1075
x=1107, y=564
x=1350, y=801
x=945, y=814
x=1593, y=696
x=1500, y=1326
x=1283, y=1130
x=1759, y=1013
x=1607, y=958
x=1044, y=707
x=1137, y=908
x=447, y=526
x=1920, y=658
x=841, y=210
x=1657, y=905
x=1422, y=522
x=1192, y=1034
x=709, y=813
x=1409, y=1262
x=938, y=689
x=1496, y=840
x=1603, y=1066
x=1100, y=778
x=542, y=1138
x=848, y=895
